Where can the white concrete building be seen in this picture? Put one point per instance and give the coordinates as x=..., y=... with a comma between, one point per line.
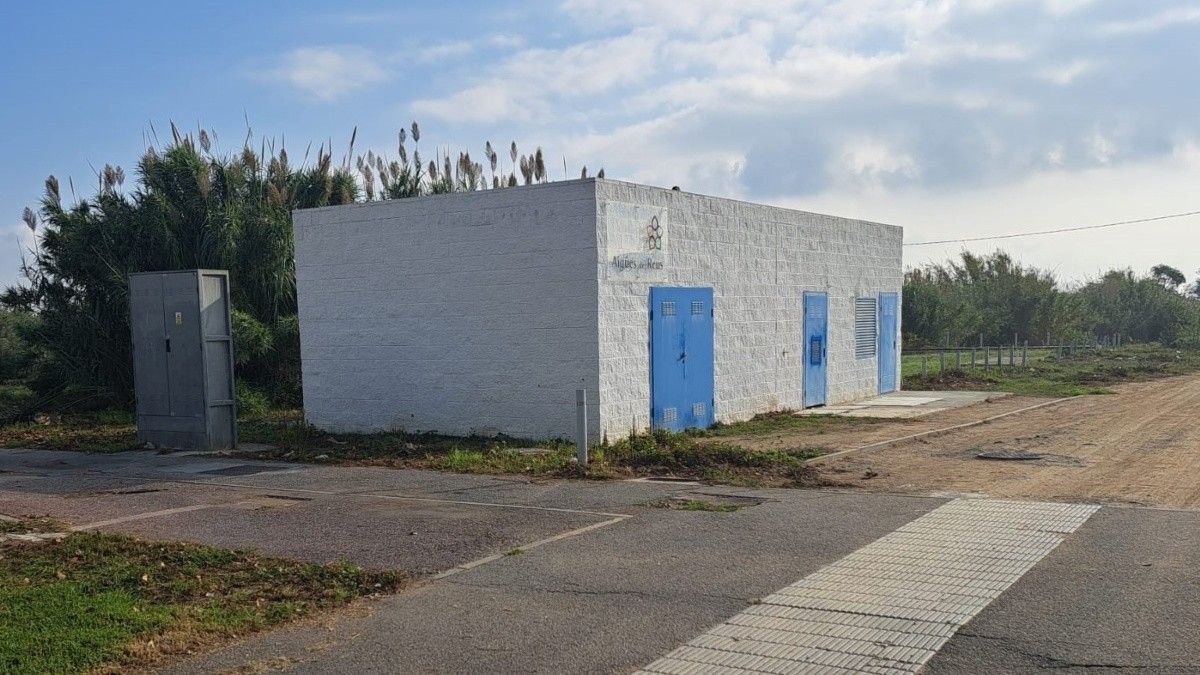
x=484, y=312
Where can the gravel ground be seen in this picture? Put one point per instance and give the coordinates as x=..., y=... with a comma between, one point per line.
x=1139, y=446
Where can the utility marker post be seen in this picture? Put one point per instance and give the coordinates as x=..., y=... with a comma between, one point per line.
x=581, y=441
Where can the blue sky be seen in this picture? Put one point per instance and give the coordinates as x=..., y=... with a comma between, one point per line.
x=952, y=118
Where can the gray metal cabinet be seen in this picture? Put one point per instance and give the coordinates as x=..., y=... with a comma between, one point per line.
x=183, y=359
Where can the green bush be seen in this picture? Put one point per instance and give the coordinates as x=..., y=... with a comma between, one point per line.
x=251, y=403
x=251, y=339
x=16, y=351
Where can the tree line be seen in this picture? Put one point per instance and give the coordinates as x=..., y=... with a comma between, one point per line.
x=65, y=329
x=992, y=298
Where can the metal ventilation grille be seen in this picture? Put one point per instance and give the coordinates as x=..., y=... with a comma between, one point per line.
x=866, y=327
x=670, y=415
x=699, y=410
x=668, y=309
x=697, y=307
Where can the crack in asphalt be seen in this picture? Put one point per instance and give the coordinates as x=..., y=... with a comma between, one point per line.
x=1053, y=662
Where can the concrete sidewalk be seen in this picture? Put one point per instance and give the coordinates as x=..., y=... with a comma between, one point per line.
x=907, y=404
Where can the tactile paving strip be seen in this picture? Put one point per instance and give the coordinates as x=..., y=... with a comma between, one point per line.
x=889, y=606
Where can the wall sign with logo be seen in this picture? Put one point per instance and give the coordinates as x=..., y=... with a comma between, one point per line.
x=637, y=241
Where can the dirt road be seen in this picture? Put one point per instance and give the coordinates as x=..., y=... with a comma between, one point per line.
x=1140, y=445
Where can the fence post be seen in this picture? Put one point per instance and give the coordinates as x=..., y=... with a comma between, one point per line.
x=987, y=359
x=941, y=362
x=972, y=358
x=1025, y=354
x=581, y=441
x=1012, y=356
x=957, y=359
x=924, y=365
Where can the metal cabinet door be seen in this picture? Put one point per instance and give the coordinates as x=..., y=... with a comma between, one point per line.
x=816, y=347
x=185, y=369
x=888, y=353
x=151, y=383
x=681, y=358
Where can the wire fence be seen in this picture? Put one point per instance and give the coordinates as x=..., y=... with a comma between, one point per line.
x=925, y=362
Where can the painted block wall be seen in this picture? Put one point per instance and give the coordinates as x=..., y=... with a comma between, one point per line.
x=483, y=312
x=461, y=313
x=759, y=260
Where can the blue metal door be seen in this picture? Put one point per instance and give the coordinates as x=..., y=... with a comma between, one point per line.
x=681, y=358
x=816, y=348
x=888, y=352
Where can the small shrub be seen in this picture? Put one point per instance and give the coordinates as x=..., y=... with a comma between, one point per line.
x=252, y=340
x=251, y=403
x=461, y=460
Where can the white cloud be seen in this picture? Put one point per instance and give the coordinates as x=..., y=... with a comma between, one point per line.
x=871, y=161
x=326, y=73
x=1187, y=152
x=701, y=18
x=666, y=151
x=1062, y=7
x=1056, y=155
x=477, y=104
x=1101, y=147
x=1153, y=22
x=750, y=56
x=1066, y=73
x=503, y=41
x=525, y=84
x=444, y=50
x=1044, y=199
x=19, y=237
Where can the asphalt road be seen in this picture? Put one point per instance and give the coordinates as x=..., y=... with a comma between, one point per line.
x=1121, y=595
x=598, y=579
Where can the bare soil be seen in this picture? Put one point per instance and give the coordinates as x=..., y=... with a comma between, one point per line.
x=858, y=431
x=1140, y=445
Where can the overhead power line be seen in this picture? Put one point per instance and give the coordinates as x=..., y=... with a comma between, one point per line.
x=1057, y=231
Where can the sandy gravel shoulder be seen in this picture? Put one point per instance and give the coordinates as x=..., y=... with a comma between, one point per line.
x=1140, y=445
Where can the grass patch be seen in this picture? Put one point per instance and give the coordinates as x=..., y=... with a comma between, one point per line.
x=95, y=601
x=684, y=455
x=786, y=421
x=1088, y=372
x=102, y=431
x=296, y=441
x=699, y=455
x=26, y=525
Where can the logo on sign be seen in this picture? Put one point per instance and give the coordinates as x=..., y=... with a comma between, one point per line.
x=654, y=235
x=637, y=241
